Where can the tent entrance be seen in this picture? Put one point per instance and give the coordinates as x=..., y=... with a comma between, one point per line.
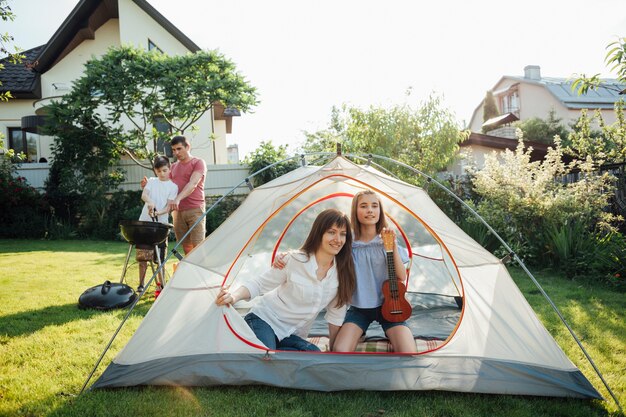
x=433, y=281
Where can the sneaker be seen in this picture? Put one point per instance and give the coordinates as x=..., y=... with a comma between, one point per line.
x=157, y=292
x=140, y=289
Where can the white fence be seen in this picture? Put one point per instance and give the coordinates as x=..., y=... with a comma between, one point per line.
x=35, y=173
x=220, y=179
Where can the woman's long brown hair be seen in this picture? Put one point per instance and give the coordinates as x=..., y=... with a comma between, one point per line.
x=382, y=220
x=345, y=265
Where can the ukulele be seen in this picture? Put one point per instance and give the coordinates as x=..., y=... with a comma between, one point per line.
x=395, y=307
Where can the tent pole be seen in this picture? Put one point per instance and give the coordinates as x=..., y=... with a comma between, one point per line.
x=580, y=345
x=517, y=259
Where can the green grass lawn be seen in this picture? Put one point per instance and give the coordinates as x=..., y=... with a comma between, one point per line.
x=48, y=346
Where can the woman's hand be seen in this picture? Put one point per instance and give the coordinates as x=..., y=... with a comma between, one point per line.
x=225, y=297
x=279, y=261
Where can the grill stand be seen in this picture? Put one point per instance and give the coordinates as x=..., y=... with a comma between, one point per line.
x=159, y=265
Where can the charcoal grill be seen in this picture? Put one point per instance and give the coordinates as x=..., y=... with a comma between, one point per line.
x=144, y=235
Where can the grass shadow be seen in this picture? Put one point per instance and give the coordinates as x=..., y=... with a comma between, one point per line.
x=31, y=321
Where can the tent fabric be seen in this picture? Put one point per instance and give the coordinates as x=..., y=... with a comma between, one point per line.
x=337, y=372
x=498, y=345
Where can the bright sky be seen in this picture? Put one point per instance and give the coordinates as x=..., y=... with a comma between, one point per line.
x=306, y=56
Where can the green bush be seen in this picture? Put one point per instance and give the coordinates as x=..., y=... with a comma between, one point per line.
x=521, y=199
x=60, y=229
x=581, y=252
x=225, y=208
x=64, y=204
x=539, y=130
x=566, y=242
x=266, y=154
x=127, y=205
x=102, y=217
x=23, y=210
x=609, y=258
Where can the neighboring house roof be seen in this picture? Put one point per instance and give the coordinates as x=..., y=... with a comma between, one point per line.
x=501, y=120
x=604, y=97
x=19, y=78
x=225, y=113
x=498, y=143
x=81, y=24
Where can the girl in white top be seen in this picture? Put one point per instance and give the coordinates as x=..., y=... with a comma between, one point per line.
x=320, y=275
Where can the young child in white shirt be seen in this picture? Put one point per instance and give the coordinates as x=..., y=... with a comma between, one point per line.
x=157, y=195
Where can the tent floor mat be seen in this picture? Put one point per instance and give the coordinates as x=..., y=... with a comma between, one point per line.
x=378, y=345
x=433, y=317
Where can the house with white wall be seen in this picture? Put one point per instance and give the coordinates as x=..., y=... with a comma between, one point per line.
x=533, y=95
x=91, y=28
x=529, y=96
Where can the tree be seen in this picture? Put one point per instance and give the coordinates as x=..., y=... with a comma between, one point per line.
x=426, y=138
x=539, y=130
x=266, y=154
x=83, y=173
x=615, y=57
x=140, y=88
x=610, y=145
x=128, y=86
x=490, y=110
x=14, y=57
x=604, y=146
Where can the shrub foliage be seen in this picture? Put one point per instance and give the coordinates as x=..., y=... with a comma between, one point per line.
x=23, y=211
x=546, y=219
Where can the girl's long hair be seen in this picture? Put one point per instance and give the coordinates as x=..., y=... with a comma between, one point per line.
x=382, y=220
x=345, y=265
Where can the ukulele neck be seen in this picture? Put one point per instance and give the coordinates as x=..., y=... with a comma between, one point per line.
x=391, y=271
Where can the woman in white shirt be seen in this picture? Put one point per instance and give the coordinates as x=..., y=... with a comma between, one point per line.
x=319, y=275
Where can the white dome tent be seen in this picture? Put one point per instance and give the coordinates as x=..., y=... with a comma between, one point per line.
x=474, y=329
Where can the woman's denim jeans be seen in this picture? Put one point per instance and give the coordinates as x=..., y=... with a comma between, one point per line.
x=266, y=334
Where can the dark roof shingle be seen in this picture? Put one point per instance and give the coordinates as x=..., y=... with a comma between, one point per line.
x=20, y=79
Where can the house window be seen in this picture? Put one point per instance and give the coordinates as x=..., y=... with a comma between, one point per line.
x=509, y=102
x=163, y=139
x=152, y=46
x=25, y=142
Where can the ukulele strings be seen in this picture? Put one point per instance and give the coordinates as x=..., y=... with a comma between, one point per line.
x=393, y=285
